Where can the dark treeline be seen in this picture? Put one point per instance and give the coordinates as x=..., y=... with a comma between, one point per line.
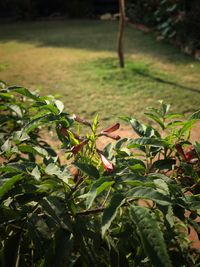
x=32, y=9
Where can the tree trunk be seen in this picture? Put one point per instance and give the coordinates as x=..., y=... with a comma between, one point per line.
x=121, y=33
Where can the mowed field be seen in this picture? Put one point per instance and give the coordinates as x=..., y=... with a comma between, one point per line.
x=77, y=61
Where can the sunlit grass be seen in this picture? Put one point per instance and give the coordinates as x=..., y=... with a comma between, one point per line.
x=77, y=60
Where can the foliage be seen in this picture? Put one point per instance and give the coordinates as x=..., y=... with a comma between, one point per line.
x=32, y=9
x=129, y=204
x=176, y=20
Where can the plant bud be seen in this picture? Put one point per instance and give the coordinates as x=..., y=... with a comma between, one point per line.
x=113, y=128
x=75, y=149
x=108, y=166
x=80, y=120
x=63, y=130
x=180, y=151
x=113, y=136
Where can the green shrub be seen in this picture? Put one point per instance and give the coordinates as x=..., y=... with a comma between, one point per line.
x=88, y=212
x=175, y=20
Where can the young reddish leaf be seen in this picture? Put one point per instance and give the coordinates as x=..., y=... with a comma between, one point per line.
x=63, y=131
x=75, y=149
x=80, y=120
x=180, y=151
x=113, y=128
x=190, y=153
x=113, y=136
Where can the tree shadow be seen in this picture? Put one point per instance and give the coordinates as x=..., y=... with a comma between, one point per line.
x=108, y=68
x=92, y=35
x=161, y=80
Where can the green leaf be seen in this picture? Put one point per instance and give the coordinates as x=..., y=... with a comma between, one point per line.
x=195, y=115
x=23, y=91
x=97, y=188
x=111, y=211
x=143, y=130
x=165, y=108
x=156, y=119
x=173, y=116
x=6, y=146
x=163, y=164
x=15, y=108
x=8, y=185
x=88, y=169
x=187, y=127
x=151, y=236
x=36, y=173
x=197, y=148
x=59, y=105
x=20, y=136
x=143, y=141
x=35, y=123
x=60, y=172
x=142, y=192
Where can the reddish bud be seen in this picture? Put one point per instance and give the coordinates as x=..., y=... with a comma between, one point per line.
x=75, y=149
x=113, y=136
x=113, y=128
x=63, y=131
x=108, y=166
x=80, y=120
x=180, y=151
x=190, y=153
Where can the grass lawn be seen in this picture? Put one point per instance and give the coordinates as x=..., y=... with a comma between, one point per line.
x=77, y=61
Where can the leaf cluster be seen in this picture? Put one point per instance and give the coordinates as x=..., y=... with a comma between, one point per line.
x=131, y=203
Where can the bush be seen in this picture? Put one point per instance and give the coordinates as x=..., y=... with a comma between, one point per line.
x=131, y=203
x=175, y=20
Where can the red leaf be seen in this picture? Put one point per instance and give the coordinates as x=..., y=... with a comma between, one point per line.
x=75, y=149
x=113, y=128
x=80, y=120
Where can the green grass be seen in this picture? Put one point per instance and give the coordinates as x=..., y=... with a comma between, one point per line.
x=77, y=61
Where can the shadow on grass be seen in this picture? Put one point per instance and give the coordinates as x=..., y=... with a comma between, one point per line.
x=92, y=35
x=161, y=80
x=109, y=70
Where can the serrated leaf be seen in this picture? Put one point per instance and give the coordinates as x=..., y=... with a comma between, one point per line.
x=111, y=211
x=151, y=236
